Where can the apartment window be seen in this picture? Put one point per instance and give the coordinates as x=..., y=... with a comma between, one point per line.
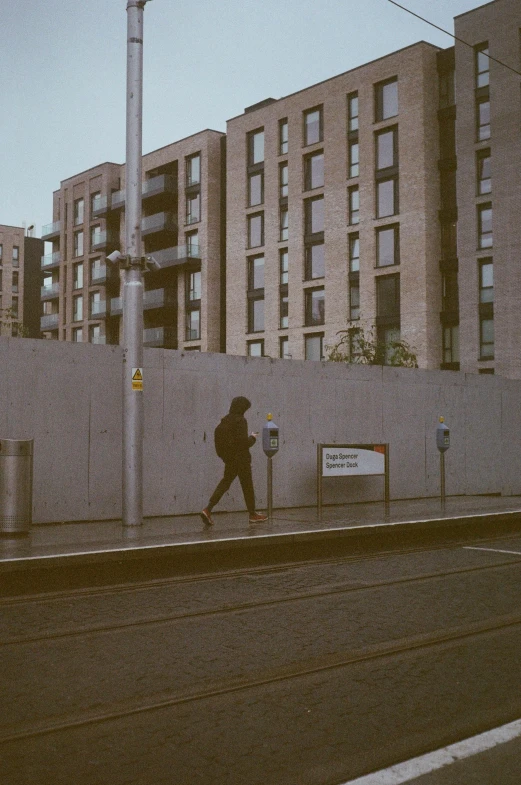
x=1, y=252
x=315, y=266
x=387, y=335
x=79, y=210
x=283, y=181
x=387, y=149
x=283, y=310
x=97, y=306
x=256, y=147
x=313, y=171
x=386, y=99
x=284, y=224
x=95, y=236
x=194, y=286
x=0, y=280
x=387, y=197
x=77, y=276
x=484, y=225
x=352, y=112
x=193, y=208
x=14, y=307
x=483, y=119
x=284, y=348
x=94, y=198
x=486, y=281
x=78, y=243
x=354, y=253
x=193, y=170
x=283, y=266
x=98, y=272
x=354, y=300
x=483, y=172
x=315, y=306
x=314, y=215
x=388, y=297
x=283, y=137
x=255, y=189
x=14, y=282
x=16, y=255
x=256, y=273
x=314, y=346
x=77, y=334
x=256, y=315
x=192, y=244
x=255, y=348
x=486, y=339
x=255, y=230
x=95, y=335
x=313, y=126
x=353, y=159
x=77, y=308
x=193, y=325
x=353, y=196
x=387, y=246
x=451, y=344
x=482, y=66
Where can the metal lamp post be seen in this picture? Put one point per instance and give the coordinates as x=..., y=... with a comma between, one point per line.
x=133, y=267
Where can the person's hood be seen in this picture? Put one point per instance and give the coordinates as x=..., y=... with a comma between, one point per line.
x=239, y=405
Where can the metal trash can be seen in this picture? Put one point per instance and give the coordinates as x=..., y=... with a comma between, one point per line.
x=16, y=486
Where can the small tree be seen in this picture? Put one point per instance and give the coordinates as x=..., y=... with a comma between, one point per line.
x=354, y=346
x=10, y=325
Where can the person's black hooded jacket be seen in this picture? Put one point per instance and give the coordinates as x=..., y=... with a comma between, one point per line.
x=239, y=439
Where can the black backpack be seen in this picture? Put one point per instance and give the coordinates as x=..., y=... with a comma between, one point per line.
x=223, y=439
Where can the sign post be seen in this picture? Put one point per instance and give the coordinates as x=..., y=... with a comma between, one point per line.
x=350, y=460
x=443, y=444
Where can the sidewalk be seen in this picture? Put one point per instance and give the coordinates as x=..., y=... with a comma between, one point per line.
x=52, y=543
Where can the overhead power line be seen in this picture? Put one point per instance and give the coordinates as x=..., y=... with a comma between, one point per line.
x=452, y=35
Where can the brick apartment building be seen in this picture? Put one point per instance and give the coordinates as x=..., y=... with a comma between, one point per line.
x=20, y=256
x=182, y=227
x=385, y=198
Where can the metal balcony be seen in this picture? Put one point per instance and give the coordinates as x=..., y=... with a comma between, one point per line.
x=160, y=337
x=100, y=240
x=98, y=309
x=162, y=184
x=50, y=292
x=178, y=255
x=159, y=222
x=100, y=205
x=98, y=339
x=118, y=199
x=50, y=231
x=116, y=306
x=50, y=260
x=49, y=322
x=158, y=298
x=98, y=275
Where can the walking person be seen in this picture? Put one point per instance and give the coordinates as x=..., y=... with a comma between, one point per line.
x=232, y=444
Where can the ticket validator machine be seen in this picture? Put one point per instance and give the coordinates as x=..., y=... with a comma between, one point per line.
x=443, y=444
x=270, y=445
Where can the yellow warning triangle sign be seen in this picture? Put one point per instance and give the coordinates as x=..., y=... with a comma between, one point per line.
x=138, y=375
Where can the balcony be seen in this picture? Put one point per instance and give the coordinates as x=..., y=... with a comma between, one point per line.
x=51, y=231
x=101, y=240
x=160, y=337
x=116, y=306
x=98, y=275
x=159, y=222
x=162, y=184
x=50, y=292
x=118, y=200
x=178, y=255
x=98, y=339
x=49, y=322
x=98, y=309
x=100, y=205
x=50, y=260
x=158, y=298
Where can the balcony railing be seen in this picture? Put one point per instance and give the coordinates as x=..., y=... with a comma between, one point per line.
x=100, y=205
x=50, y=292
x=159, y=222
x=163, y=183
x=98, y=274
x=162, y=337
x=102, y=239
x=99, y=339
x=116, y=306
x=178, y=255
x=158, y=298
x=98, y=309
x=49, y=322
x=51, y=230
x=50, y=260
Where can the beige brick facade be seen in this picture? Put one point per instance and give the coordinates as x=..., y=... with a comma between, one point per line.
x=19, y=282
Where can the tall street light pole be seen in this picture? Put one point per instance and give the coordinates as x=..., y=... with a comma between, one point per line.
x=133, y=267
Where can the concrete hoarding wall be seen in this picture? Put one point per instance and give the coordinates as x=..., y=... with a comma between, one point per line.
x=67, y=397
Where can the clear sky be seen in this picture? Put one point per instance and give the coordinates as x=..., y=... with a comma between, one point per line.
x=63, y=72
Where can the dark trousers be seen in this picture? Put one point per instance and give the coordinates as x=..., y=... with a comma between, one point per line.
x=231, y=471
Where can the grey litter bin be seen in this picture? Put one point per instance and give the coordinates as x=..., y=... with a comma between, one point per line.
x=16, y=486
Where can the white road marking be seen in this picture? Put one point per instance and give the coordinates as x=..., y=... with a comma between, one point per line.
x=416, y=767
x=492, y=550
